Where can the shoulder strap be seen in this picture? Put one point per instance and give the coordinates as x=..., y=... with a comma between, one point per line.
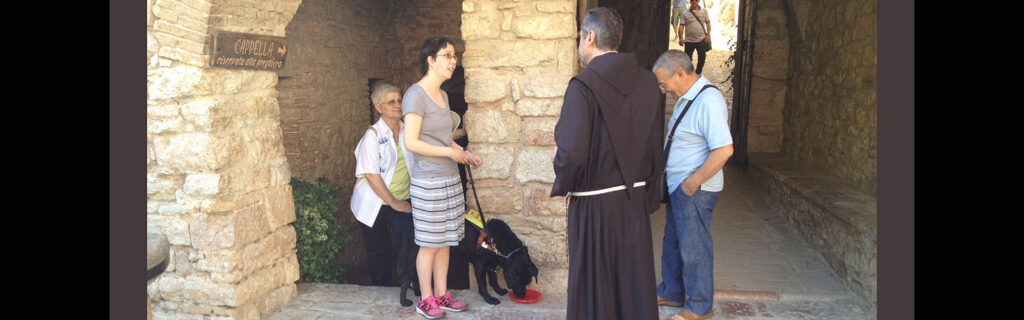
x=668, y=146
x=699, y=22
x=374, y=130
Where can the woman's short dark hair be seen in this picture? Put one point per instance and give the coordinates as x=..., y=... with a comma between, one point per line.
x=430, y=48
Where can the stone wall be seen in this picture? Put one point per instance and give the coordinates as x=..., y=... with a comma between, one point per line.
x=335, y=47
x=216, y=174
x=519, y=57
x=417, y=20
x=835, y=218
x=830, y=112
x=768, y=82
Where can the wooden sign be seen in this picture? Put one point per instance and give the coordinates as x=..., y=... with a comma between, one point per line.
x=248, y=51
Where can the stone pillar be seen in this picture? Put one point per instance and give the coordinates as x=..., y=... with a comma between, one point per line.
x=217, y=178
x=519, y=58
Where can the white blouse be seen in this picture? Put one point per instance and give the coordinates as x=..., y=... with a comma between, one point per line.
x=376, y=153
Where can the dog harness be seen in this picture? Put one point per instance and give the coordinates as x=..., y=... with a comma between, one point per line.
x=480, y=242
x=505, y=256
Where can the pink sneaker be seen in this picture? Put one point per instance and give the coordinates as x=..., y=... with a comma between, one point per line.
x=428, y=308
x=449, y=303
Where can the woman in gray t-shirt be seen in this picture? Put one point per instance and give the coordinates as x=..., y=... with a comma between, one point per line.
x=438, y=203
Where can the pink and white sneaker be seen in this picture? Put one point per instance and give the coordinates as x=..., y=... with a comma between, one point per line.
x=449, y=303
x=428, y=308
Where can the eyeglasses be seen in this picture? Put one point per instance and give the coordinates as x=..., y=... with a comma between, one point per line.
x=448, y=55
x=393, y=102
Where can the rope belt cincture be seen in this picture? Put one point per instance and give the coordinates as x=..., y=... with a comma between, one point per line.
x=600, y=191
x=605, y=190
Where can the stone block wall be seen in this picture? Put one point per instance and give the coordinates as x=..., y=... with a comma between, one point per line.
x=335, y=48
x=216, y=174
x=519, y=57
x=835, y=218
x=768, y=85
x=416, y=20
x=830, y=113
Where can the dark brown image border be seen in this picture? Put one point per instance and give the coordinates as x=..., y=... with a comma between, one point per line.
x=895, y=156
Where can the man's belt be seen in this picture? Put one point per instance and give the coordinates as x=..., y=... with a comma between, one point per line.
x=605, y=190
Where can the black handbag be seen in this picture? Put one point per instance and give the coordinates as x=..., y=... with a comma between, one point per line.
x=668, y=146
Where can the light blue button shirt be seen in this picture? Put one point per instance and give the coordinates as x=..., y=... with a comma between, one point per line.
x=705, y=127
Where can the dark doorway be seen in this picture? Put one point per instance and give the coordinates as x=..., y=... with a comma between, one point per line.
x=644, y=26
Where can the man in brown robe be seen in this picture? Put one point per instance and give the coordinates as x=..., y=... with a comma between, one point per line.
x=610, y=135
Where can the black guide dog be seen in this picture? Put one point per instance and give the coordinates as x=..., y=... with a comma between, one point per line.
x=498, y=248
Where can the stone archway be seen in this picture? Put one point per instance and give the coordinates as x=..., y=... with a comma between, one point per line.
x=218, y=140
x=217, y=178
x=336, y=49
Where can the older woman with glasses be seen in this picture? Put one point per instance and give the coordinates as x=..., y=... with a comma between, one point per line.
x=438, y=202
x=381, y=193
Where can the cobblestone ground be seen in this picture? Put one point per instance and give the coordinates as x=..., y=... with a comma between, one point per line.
x=319, y=301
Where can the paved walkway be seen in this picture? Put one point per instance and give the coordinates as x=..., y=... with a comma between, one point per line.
x=763, y=270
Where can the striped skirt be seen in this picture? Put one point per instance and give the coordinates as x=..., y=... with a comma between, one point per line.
x=438, y=209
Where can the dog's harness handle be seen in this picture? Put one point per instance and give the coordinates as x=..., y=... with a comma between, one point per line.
x=483, y=220
x=483, y=231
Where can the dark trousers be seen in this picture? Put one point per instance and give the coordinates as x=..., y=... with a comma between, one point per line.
x=701, y=54
x=379, y=253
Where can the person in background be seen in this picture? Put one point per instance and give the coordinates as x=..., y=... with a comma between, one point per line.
x=678, y=6
x=693, y=22
x=438, y=202
x=380, y=196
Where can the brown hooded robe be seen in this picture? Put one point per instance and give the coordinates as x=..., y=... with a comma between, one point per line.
x=610, y=133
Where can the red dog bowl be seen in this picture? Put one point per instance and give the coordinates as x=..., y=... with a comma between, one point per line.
x=531, y=296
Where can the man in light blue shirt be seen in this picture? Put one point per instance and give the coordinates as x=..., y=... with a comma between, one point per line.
x=700, y=145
